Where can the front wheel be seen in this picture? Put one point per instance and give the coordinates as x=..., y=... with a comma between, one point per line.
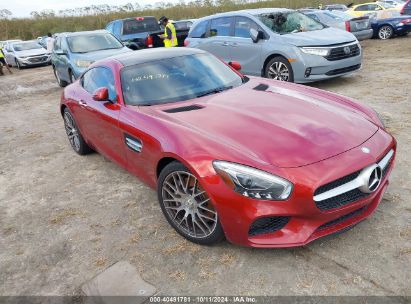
x=18, y=65
x=72, y=79
x=279, y=68
x=385, y=32
x=60, y=82
x=75, y=138
x=187, y=207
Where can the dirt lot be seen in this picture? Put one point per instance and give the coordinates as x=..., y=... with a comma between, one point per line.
x=65, y=218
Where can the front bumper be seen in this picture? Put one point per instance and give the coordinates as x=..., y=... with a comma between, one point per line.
x=306, y=222
x=321, y=68
x=34, y=60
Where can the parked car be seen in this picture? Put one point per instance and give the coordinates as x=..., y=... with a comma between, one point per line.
x=278, y=43
x=73, y=53
x=406, y=9
x=386, y=26
x=26, y=54
x=141, y=32
x=335, y=7
x=392, y=3
x=278, y=165
x=361, y=10
x=359, y=27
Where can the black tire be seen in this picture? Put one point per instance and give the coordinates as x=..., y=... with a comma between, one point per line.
x=385, y=32
x=18, y=64
x=277, y=68
x=60, y=82
x=75, y=138
x=210, y=236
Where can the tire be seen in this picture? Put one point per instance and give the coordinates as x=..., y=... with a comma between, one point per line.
x=182, y=199
x=75, y=138
x=279, y=68
x=385, y=32
x=60, y=82
x=71, y=76
x=18, y=64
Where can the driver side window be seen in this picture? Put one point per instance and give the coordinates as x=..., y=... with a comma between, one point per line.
x=242, y=27
x=97, y=78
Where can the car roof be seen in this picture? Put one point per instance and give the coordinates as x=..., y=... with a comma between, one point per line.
x=147, y=55
x=72, y=34
x=256, y=11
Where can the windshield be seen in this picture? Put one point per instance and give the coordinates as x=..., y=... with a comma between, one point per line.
x=176, y=79
x=140, y=25
x=290, y=22
x=342, y=15
x=91, y=43
x=26, y=46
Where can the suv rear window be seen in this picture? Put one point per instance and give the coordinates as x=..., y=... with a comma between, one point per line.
x=140, y=25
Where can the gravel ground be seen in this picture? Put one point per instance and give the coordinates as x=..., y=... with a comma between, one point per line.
x=65, y=218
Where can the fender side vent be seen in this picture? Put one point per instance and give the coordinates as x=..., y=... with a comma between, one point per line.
x=261, y=87
x=183, y=109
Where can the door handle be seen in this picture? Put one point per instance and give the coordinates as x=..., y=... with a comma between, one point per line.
x=82, y=103
x=225, y=43
x=235, y=44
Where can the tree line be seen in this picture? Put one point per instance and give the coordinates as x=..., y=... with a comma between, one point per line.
x=97, y=16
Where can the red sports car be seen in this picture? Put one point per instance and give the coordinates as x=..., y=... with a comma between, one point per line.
x=261, y=162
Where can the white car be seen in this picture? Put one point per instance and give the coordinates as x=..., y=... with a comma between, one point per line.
x=26, y=53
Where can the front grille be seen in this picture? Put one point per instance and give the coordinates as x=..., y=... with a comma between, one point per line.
x=341, y=200
x=339, y=53
x=268, y=225
x=37, y=59
x=343, y=70
x=387, y=168
x=338, y=182
x=342, y=218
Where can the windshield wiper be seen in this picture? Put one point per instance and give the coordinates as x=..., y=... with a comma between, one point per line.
x=214, y=91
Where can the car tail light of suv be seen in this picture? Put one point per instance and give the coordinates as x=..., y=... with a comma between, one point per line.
x=348, y=26
x=186, y=42
x=149, y=42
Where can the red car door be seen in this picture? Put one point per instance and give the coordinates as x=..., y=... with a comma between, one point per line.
x=99, y=119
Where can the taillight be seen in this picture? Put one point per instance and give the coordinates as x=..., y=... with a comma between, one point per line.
x=149, y=42
x=406, y=20
x=347, y=26
x=186, y=42
x=403, y=9
x=140, y=18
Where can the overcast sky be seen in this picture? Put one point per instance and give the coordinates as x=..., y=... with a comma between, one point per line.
x=22, y=8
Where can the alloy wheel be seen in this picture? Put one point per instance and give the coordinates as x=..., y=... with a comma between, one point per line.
x=385, y=32
x=72, y=79
x=279, y=71
x=71, y=131
x=188, y=206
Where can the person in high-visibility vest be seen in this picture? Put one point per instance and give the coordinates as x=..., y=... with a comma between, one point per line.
x=170, y=35
x=3, y=62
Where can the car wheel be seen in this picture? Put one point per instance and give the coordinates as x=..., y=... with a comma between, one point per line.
x=279, y=68
x=18, y=65
x=72, y=79
x=73, y=133
x=187, y=207
x=60, y=82
x=385, y=32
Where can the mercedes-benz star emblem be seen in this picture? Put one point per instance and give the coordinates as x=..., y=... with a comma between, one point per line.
x=370, y=178
x=347, y=50
x=365, y=150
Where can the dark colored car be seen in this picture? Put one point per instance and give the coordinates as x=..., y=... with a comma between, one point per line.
x=262, y=162
x=141, y=32
x=386, y=26
x=406, y=9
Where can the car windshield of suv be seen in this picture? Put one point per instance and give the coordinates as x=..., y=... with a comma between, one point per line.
x=344, y=16
x=92, y=43
x=26, y=46
x=140, y=25
x=290, y=22
x=176, y=79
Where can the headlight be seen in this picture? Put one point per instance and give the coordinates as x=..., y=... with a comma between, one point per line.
x=315, y=51
x=253, y=183
x=83, y=63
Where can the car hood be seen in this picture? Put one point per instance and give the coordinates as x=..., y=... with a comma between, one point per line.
x=97, y=55
x=327, y=36
x=283, y=126
x=33, y=52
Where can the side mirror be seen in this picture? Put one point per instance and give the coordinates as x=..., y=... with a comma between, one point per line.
x=101, y=94
x=235, y=65
x=60, y=53
x=256, y=35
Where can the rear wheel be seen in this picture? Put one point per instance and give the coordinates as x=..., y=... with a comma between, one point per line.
x=279, y=68
x=385, y=32
x=60, y=82
x=73, y=133
x=187, y=207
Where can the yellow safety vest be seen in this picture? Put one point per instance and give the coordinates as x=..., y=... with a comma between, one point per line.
x=1, y=53
x=170, y=41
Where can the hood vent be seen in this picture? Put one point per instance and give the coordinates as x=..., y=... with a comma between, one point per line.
x=183, y=109
x=261, y=87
